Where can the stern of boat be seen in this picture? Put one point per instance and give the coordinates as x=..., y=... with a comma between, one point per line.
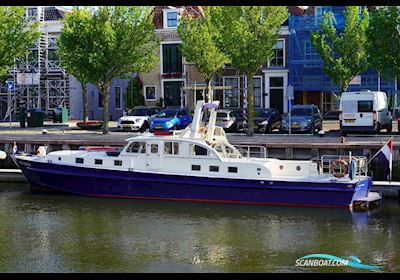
x=362, y=197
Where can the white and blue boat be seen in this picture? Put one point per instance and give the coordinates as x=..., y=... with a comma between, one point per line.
x=198, y=164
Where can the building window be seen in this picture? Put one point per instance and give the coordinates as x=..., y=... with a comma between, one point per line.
x=98, y=161
x=257, y=91
x=32, y=13
x=172, y=19
x=53, y=58
x=100, y=101
x=52, y=43
x=172, y=58
x=311, y=55
x=150, y=92
x=79, y=160
x=231, y=95
x=118, y=99
x=278, y=58
x=118, y=162
x=196, y=167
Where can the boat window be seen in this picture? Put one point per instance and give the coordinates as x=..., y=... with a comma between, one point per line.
x=196, y=150
x=137, y=147
x=154, y=148
x=79, y=160
x=196, y=167
x=118, y=162
x=232, y=169
x=98, y=161
x=171, y=148
x=214, y=168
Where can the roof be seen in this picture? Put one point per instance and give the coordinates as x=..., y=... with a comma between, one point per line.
x=53, y=13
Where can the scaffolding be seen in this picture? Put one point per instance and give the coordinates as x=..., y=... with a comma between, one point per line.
x=306, y=68
x=39, y=81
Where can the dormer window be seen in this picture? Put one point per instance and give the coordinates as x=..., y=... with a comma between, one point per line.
x=171, y=18
x=32, y=13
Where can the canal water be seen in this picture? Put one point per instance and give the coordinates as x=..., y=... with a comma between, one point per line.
x=68, y=233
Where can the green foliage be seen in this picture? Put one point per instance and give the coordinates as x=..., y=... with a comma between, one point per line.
x=344, y=55
x=134, y=95
x=247, y=35
x=198, y=35
x=122, y=40
x=74, y=43
x=16, y=36
x=384, y=40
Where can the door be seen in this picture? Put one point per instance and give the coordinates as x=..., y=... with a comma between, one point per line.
x=153, y=155
x=276, y=93
x=172, y=93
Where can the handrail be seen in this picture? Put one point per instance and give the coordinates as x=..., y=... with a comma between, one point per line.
x=262, y=152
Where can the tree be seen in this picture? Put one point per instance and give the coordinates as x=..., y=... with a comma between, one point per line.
x=124, y=42
x=384, y=41
x=247, y=35
x=198, y=35
x=344, y=55
x=74, y=43
x=16, y=36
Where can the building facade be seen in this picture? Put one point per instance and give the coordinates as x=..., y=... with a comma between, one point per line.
x=176, y=82
x=311, y=85
x=39, y=80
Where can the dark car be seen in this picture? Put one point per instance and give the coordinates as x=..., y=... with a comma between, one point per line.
x=231, y=120
x=170, y=119
x=266, y=120
x=332, y=115
x=305, y=118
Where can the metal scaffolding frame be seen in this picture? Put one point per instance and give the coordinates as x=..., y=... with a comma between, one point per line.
x=52, y=90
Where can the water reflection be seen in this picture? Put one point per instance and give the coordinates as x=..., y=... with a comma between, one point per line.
x=65, y=233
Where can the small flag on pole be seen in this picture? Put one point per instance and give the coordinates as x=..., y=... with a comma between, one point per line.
x=385, y=157
x=15, y=149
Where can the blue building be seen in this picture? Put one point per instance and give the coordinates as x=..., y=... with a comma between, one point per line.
x=116, y=102
x=311, y=85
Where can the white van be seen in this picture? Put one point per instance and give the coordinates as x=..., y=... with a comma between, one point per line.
x=364, y=111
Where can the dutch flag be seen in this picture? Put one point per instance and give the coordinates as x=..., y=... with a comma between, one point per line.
x=385, y=157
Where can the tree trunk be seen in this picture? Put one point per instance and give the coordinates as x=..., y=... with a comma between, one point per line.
x=250, y=104
x=343, y=87
x=85, y=103
x=209, y=91
x=105, y=94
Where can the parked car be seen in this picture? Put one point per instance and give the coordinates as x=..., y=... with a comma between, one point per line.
x=266, y=120
x=305, y=118
x=231, y=120
x=138, y=119
x=364, y=111
x=332, y=115
x=170, y=119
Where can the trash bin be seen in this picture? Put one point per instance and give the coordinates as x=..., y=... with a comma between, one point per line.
x=22, y=116
x=34, y=117
x=60, y=115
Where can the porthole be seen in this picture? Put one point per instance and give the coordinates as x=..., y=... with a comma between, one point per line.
x=280, y=167
x=298, y=168
x=59, y=158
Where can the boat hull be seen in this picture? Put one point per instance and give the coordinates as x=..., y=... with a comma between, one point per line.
x=147, y=185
